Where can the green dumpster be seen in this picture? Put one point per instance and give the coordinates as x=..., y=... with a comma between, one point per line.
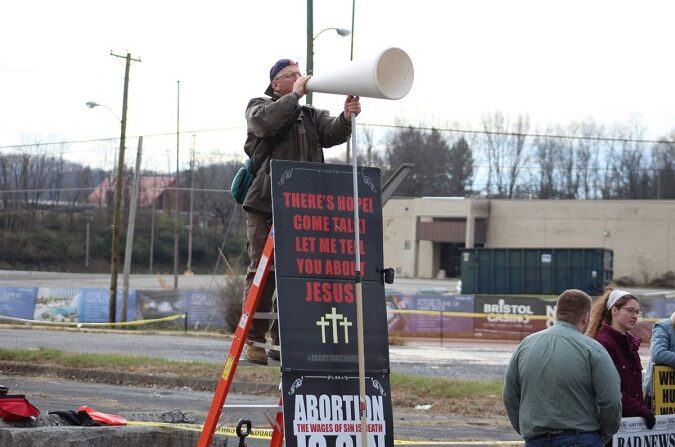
x=547, y=271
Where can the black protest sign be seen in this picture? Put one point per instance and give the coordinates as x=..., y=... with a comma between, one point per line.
x=313, y=207
x=318, y=327
x=315, y=267
x=314, y=416
x=314, y=245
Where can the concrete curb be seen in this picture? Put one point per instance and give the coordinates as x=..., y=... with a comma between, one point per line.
x=50, y=431
x=128, y=378
x=99, y=437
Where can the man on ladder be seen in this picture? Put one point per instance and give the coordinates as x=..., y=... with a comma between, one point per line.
x=279, y=127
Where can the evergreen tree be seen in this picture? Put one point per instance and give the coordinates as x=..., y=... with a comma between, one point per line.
x=461, y=169
x=429, y=152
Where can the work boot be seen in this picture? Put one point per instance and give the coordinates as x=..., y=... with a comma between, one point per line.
x=256, y=354
x=273, y=354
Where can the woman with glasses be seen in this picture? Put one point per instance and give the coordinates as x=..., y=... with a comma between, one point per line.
x=613, y=315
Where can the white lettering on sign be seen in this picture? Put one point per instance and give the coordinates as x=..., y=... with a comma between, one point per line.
x=316, y=417
x=507, y=313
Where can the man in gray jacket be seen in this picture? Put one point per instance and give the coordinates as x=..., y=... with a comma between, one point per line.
x=561, y=386
x=280, y=128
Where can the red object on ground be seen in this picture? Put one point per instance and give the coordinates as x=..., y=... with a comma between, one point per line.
x=15, y=408
x=103, y=418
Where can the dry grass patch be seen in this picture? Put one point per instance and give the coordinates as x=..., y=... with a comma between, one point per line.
x=446, y=396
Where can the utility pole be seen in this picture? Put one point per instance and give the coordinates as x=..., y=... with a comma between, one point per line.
x=192, y=199
x=86, y=258
x=152, y=234
x=351, y=58
x=175, y=216
x=119, y=183
x=131, y=224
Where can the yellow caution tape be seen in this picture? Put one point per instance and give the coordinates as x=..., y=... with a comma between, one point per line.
x=444, y=313
x=256, y=433
x=81, y=325
x=389, y=311
x=466, y=314
x=266, y=433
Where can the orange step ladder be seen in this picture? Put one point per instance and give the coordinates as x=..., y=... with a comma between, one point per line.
x=211, y=423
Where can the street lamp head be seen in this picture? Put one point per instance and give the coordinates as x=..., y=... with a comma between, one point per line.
x=342, y=32
x=92, y=104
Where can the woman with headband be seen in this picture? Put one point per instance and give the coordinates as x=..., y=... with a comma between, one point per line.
x=612, y=317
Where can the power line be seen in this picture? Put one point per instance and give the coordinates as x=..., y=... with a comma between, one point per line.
x=105, y=188
x=517, y=134
x=386, y=126
x=96, y=140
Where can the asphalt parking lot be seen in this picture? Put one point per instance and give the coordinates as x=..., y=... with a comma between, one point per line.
x=460, y=359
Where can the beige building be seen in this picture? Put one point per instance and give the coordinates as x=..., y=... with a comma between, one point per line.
x=423, y=236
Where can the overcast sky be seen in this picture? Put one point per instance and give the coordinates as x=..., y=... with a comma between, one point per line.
x=556, y=61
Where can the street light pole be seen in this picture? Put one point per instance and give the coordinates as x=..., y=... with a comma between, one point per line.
x=351, y=46
x=192, y=199
x=119, y=183
x=175, y=216
x=342, y=32
x=310, y=44
x=351, y=58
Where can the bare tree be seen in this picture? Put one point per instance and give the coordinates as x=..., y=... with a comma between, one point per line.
x=545, y=153
x=506, y=151
x=83, y=179
x=215, y=177
x=56, y=170
x=588, y=153
x=628, y=164
x=568, y=173
x=5, y=181
x=663, y=164
x=367, y=141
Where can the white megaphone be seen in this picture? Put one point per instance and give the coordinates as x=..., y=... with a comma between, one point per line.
x=389, y=75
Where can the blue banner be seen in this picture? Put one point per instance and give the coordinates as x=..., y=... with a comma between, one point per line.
x=204, y=309
x=93, y=305
x=18, y=302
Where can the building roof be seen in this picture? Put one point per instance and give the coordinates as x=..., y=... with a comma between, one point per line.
x=150, y=189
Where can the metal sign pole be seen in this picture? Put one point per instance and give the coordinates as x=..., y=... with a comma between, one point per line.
x=359, y=294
